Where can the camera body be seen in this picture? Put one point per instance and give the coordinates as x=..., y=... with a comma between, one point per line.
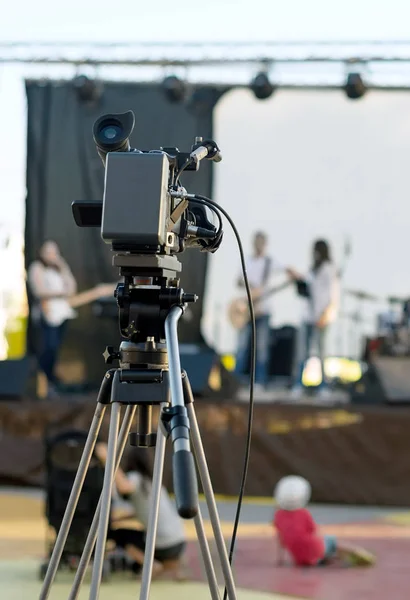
x=137, y=203
x=145, y=210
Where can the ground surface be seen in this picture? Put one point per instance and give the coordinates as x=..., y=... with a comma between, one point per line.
x=385, y=532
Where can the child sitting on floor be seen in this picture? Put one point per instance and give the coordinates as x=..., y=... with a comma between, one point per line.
x=135, y=484
x=297, y=531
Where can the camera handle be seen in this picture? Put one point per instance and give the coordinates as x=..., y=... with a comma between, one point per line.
x=183, y=466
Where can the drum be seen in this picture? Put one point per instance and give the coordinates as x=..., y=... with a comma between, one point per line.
x=387, y=323
x=406, y=313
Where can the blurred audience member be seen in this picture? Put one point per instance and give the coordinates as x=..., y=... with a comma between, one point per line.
x=135, y=484
x=51, y=284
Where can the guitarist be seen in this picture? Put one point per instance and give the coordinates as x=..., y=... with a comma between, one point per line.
x=259, y=267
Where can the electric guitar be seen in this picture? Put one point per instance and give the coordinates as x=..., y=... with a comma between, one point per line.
x=238, y=309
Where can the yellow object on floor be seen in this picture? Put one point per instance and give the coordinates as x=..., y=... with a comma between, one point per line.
x=362, y=558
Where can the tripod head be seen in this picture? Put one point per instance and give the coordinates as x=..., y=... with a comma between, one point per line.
x=143, y=308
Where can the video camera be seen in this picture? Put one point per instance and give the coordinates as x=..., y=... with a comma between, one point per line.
x=145, y=210
x=148, y=218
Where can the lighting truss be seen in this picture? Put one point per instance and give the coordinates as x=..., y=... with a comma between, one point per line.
x=384, y=64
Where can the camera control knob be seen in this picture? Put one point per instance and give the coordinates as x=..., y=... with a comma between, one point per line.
x=110, y=355
x=189, y=298
x=119, y=294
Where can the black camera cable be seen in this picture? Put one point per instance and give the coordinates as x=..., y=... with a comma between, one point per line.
x=217, y=208
x=182, y=169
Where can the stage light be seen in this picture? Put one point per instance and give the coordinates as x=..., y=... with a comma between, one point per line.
x=262, y=87
x=174, y=88
x=355, y=87
x=87, y=90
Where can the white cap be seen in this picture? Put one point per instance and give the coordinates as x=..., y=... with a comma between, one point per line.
x=292, y=492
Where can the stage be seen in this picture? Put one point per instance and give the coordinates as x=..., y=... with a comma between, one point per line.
x=351, y=455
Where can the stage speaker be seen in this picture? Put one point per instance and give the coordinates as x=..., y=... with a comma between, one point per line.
x=394, y=376
x=282, y=348
x=14, y=378
x=368, y=390
x=386, y=380
x=282, y=351
x=207, y=375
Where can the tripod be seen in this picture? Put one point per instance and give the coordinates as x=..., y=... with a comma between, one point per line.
x=149, y=375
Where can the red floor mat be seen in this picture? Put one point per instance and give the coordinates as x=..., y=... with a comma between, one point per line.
x=389, y=579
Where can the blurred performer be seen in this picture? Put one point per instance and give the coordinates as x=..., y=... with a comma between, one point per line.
x=320, y=288
x=259, y=267
x=51, y=284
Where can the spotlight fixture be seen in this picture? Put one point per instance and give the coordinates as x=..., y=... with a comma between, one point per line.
x=262, y=87
x=174, y=88
x=355, y=87
x=87, y=90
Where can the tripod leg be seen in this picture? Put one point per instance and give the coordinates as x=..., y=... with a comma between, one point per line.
x=92, y=535
x=77, y=487
x=209, y=494
x=206, y=557
x=153, y=513
x=105, y=502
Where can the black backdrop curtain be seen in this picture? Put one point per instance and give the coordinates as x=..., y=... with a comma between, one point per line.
x=63, y=165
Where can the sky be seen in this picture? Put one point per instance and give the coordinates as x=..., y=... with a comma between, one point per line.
x=229, y=20
x=134, y=20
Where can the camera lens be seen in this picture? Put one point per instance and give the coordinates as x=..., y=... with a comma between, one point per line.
x=110, y=132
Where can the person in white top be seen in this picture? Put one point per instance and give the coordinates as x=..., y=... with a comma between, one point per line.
x=51, y=284
x=260, y=268
x=320, y=289
x=135, y=483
